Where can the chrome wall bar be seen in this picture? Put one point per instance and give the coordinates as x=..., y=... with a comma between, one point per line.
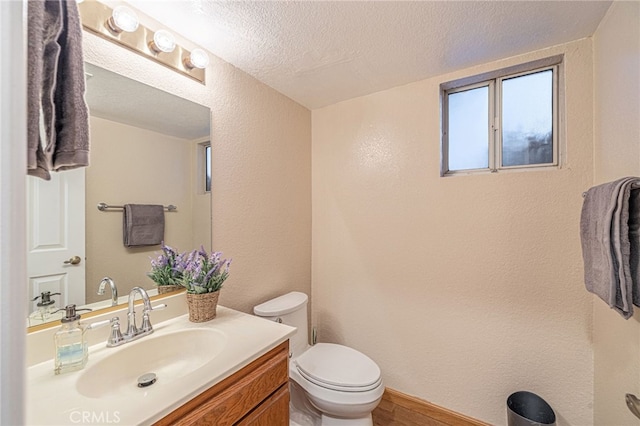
x=104, y=207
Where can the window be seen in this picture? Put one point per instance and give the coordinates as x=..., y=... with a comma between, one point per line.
x=207, y=168
x=499, y=121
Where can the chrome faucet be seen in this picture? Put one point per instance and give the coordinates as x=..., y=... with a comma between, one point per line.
x=116, y=338
x=132, y=330
x=114, y=290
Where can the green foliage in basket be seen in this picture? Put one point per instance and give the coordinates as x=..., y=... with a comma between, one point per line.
x=204, y=273
x=167, y=268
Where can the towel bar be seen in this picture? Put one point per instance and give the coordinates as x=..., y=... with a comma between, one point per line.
x=104, y=207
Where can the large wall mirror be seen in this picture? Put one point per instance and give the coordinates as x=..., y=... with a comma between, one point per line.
x=147, y=147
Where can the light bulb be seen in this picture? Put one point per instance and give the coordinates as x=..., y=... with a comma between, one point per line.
x=123, y=19
x=197, y=59
x=163, y=41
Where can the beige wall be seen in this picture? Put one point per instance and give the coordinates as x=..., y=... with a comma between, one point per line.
x=261, y=187
x=261, y=140
x=463, y=289
x=133, y=165
x=616, y=58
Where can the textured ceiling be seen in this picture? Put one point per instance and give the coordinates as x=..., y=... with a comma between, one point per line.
x=322, y=52
x=117, y=98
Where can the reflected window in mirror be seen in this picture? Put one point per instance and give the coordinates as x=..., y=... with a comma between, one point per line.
x=203, y=159
x=207, y=168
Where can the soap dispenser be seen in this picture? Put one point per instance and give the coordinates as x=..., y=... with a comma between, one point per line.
x=45, y=307
x=71, y=343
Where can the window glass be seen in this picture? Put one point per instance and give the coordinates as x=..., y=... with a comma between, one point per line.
x=468, y=129
x=527, y=119
x=207, y=168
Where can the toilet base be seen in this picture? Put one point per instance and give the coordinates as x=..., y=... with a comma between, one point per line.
x=333, y=421
x=303, y=413
x=298, y=417
x=307, y=418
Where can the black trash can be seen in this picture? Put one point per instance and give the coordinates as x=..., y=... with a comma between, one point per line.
x=528, y=409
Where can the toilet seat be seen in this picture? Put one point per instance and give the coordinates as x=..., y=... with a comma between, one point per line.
x=339, y=368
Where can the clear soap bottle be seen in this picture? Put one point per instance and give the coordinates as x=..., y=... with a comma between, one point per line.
x=45, y=307
x=70, y=343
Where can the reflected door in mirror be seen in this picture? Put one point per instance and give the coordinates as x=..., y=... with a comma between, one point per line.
x=56, y=234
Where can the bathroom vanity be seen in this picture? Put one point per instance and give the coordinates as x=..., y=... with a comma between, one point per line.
x=256, y=395
x=231, y=370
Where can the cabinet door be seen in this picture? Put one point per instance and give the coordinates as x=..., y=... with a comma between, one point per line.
x=272, y=412
x=237, y=396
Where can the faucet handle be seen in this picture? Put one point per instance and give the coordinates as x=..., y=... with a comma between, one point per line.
x=115, y=338
x=146, y=323
x=157, y=307
x=97, y=324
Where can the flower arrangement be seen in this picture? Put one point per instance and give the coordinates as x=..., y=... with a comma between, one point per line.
x=167, y=268
x=202, y=272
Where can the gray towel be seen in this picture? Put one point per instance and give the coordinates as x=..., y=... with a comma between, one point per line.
x=72, y=114
x=44, y=28
x=609, y=231
x=143, y=225
x=58, y=118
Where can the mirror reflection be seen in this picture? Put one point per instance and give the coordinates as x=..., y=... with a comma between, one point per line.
x=147, y=147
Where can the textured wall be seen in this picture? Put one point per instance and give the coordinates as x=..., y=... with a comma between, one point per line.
x=464, y=289
x=261, y=203
x=617, y=154
x=261, y=187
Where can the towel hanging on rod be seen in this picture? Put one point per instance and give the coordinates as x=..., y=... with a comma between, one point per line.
x=609, y=223
x=104, y=207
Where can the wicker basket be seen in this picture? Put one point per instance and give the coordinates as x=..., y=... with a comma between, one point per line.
x=162, y=289
x=202, y=307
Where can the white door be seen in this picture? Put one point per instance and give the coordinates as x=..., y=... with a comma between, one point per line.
x=55, y=237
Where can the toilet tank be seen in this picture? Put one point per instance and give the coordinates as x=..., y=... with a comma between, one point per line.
x=289, y=309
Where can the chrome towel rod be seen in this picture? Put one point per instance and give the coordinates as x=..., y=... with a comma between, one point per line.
x=104, y=207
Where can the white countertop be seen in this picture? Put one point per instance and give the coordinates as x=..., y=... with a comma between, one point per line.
x=55, y=400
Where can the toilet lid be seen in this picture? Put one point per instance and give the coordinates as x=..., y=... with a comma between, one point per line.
x=338, y=367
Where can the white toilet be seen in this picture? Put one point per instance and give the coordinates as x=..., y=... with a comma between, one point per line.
x=330, y=384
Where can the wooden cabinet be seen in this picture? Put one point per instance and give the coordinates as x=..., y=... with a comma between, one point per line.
x=257, y=395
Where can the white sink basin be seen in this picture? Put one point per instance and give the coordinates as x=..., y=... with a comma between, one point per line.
x=169, y=356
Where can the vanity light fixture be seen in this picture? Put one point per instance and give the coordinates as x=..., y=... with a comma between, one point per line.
x=123, y=19
x=163, y=41
x=122, y=26
x=197, y=59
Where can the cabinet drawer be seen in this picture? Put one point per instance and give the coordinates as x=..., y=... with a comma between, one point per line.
x=272, y=412
x=230, y=400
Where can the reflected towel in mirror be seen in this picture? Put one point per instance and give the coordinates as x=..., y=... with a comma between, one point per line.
x=143, y=225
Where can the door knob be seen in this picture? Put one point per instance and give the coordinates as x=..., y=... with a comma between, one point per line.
x=73, y=261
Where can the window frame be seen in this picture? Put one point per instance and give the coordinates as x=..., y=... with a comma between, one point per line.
x=207, y=167
x=200, y=162
x=494, y=81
